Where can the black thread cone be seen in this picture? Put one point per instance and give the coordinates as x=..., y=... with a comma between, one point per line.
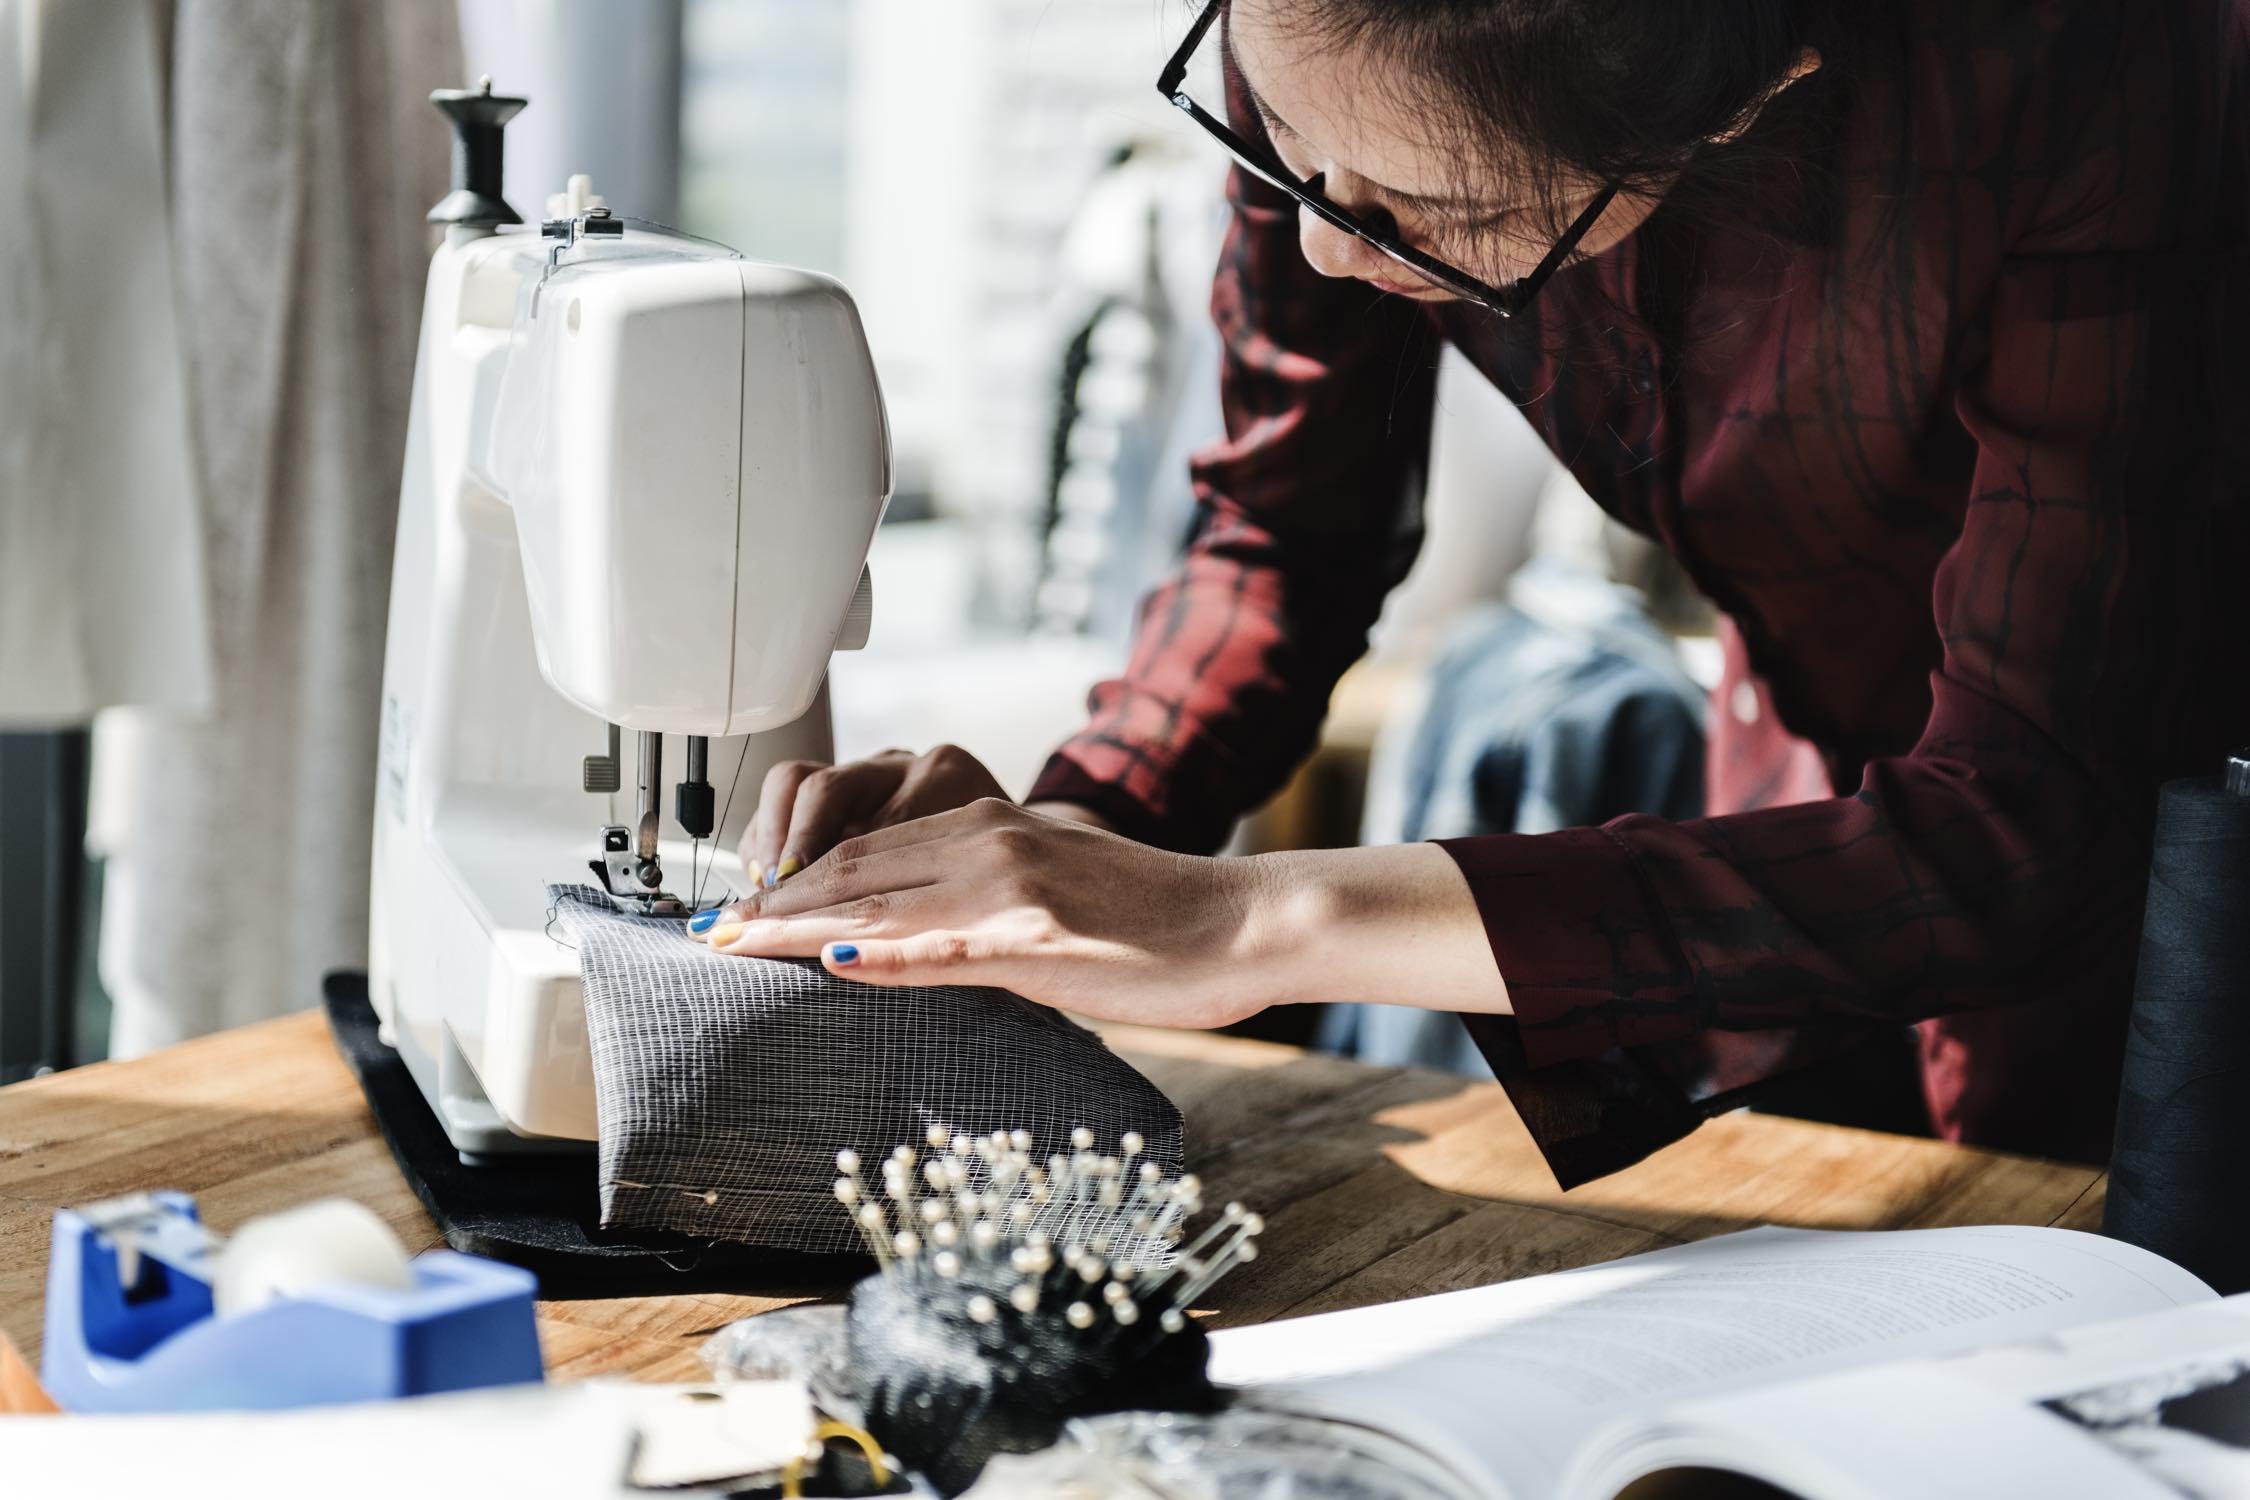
x=2182, y=1158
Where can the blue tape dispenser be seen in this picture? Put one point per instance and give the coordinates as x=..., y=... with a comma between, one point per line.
x=148, y=1310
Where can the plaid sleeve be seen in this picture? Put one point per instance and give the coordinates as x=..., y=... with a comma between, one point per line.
x=2087, y=656
x=1308, y=515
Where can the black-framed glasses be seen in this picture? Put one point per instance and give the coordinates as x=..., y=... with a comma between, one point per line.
x=1506, y=301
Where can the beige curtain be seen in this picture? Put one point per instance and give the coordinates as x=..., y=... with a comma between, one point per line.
x=102, y=594
x=303, y=155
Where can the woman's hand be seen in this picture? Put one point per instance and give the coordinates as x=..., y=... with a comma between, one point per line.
x=1082, y=919
x=806, y=807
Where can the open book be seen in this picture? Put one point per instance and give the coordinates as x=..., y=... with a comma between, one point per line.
x=1928, y=1363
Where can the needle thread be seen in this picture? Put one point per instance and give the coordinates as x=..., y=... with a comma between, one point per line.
x=695, y=895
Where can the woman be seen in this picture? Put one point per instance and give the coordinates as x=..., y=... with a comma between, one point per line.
x=1912, y=330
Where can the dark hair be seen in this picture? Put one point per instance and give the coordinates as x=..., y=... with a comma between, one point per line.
x=1630, y=91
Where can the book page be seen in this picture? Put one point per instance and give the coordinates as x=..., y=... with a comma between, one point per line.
x=2168, y=1394
x=1506, y=1382
x=1912, y=1429
x=2156, y=1406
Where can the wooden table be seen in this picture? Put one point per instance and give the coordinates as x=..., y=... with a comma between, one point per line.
x=1375, y=1182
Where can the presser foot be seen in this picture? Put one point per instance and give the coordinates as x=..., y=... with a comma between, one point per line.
x=649, y=904
x=634, y=886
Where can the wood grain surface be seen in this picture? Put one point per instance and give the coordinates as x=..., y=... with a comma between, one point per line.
x=1375, y=1182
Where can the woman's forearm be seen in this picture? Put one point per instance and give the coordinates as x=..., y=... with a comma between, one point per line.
x=1071, y=812
x=1394, y=924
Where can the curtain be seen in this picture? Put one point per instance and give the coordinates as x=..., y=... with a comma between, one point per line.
x=303, y=154
x=102, y=597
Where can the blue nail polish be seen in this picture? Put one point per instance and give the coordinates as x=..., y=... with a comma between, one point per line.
x=773, y=877
x=843, y=953
x=703, y=921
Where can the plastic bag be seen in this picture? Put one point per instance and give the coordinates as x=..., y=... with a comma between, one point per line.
x=1244, y=1453
x=790, y=1343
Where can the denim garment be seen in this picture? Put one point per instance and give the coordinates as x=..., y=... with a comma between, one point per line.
x=1563, y=709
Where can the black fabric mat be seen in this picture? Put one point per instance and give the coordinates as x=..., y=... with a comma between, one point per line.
x=543, y=1215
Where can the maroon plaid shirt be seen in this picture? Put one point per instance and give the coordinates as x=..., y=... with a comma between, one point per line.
x=1953, y=437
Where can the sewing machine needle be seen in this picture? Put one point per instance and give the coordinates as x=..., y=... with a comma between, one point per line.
x=651, y=873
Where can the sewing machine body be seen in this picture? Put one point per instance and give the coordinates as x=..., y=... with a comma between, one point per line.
x=641, y=477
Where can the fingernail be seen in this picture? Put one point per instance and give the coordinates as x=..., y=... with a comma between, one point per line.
x=721, y=936
x=773, y=878
x=843, y=953
x=757, y=874
x=703, y=921
x=790, y=865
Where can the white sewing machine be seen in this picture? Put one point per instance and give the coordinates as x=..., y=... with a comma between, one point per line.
x=642, y=474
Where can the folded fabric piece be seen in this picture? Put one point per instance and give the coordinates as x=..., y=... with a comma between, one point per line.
x=724, y=1086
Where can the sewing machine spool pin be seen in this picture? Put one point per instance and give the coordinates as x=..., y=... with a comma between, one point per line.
x=479, y=118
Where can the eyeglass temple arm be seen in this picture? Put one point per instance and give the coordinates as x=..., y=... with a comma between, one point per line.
x=1579, y=228
x=1175, y=72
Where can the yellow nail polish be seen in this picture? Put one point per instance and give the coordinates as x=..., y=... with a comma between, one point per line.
x=790, y=865
x=725, y=933
x=757, y=874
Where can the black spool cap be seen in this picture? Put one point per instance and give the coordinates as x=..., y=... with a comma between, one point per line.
x=478, y=115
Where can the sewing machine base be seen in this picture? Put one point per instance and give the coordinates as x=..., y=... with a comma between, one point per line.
x=475, y=1128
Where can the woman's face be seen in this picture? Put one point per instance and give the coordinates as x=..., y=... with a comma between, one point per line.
x=1348, y=117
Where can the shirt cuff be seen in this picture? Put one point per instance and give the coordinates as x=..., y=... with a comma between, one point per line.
x=1589, y=960
x=1064, y=780
x=1592, y=1118
x=1591, y=970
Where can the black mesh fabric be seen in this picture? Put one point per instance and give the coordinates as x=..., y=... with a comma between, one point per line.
x=945, y=1392
x=725, y=1085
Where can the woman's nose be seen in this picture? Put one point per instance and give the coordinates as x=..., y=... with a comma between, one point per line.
x=1336, y=252
x=1332, y=251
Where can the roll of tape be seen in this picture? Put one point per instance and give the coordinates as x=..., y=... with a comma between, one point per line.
x=284, y=1254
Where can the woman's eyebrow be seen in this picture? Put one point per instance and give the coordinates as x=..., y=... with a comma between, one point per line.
x=1428, y=202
